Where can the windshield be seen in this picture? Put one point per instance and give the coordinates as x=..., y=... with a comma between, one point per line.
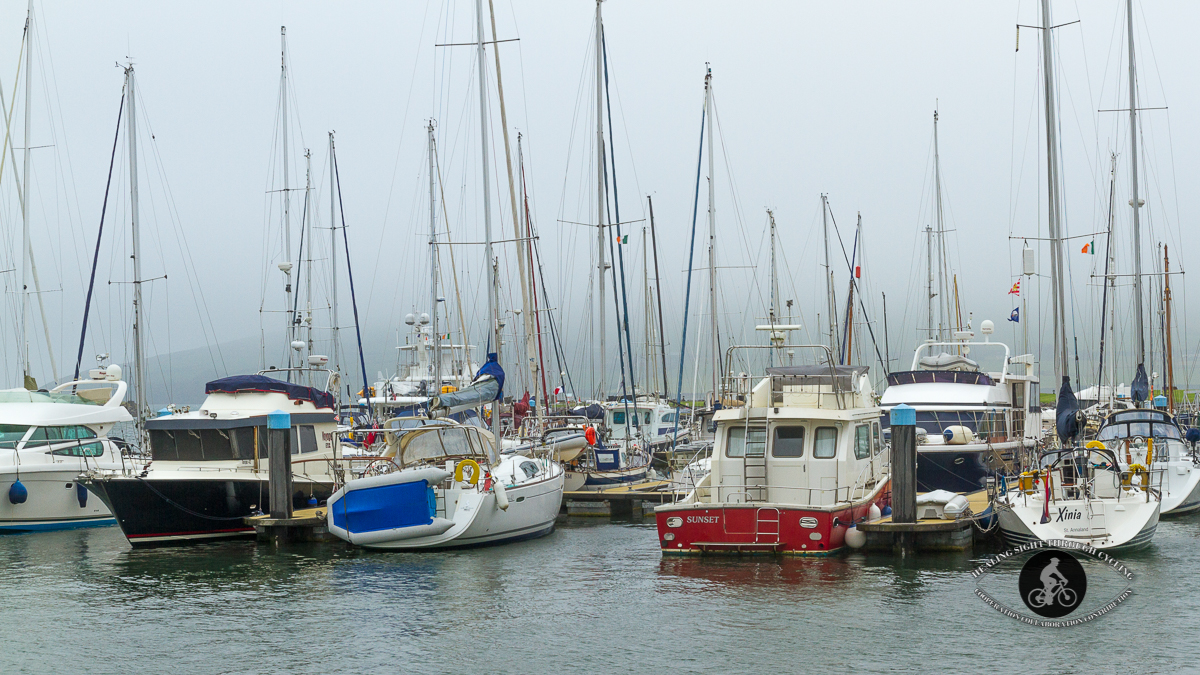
x=23, y=396
x=1143, y=429
x=438, y=444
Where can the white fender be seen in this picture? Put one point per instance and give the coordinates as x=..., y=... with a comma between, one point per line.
x=501, y=496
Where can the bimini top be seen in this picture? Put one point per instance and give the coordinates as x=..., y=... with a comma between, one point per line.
x=237, y=384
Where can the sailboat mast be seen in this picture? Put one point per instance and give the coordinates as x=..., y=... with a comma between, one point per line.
x=773, y=310
x=658, y=295
x=433, y=269
x=494, y=333
x=333, y=258
x=600, y=200
x=1135, y=202
x=943, y=314
x=929, y=294
x=1167, y=339
x=1057, y=268
x=831, y=310
x=287, y=195
x=25, y=244
x=712, y=239
x=142, y=397
x=308, y=261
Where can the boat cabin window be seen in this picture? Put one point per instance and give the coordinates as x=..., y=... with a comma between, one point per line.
x=739, y=445
x=825, y=443
x=304, y=439
x=647, y=417
x=435, y=444
x=11, y=434
x=530, y=469
x=191, y=445
x=788, y=442
x=876, y=438
x=243, y=443
x=50, y=435
x=862, y=441
x=669, y=417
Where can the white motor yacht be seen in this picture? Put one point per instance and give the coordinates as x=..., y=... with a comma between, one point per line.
x=47, y=438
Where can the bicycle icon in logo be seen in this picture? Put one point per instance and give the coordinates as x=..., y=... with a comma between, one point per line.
x=1052, y=583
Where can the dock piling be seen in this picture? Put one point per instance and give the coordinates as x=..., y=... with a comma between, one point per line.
x=279, y=425
x=904, y=472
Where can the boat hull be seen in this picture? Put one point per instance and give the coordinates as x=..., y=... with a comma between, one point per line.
x=960, y=468
x=577, y=481
x=479, y=521
x=1182, y=495
x=760, y=528
x=1131, y=528
x=53, y=501
x=153, y=511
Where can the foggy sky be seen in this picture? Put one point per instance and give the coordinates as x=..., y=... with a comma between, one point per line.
x=811, y=98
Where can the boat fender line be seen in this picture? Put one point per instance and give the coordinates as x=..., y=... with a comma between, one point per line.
x=475, y=471
x=501, y=496
x=17, y=493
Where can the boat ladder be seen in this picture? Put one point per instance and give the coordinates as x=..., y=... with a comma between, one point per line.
x=766, y=526
x=754, y=475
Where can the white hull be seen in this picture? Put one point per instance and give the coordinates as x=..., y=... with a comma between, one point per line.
x=53, y=501
x=477, y=518
x=1108, y=524
x=1181, y=494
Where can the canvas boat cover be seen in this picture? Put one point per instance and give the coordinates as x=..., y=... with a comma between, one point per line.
x=237, y=384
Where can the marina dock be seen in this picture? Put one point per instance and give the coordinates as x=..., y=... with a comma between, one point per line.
x=624, y=500
x=304, y=525
x=928, y=535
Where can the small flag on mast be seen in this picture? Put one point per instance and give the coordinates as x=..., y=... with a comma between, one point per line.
x=1015, y=317
x=1089, y=247
x=1016, y=289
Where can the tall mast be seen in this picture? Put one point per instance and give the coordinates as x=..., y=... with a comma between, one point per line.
x=1167, y=339
x=142, y=397
x=929, y=294
x=1061, y=363
x=712, y=239
x=433, y=269
x=1135, y=202
x=287, y=195
x=487, y=208
x=27, y=379
x=523, y=266
x=943, y=313
x=831, y=311
x=333, y=305
x=647, y=317
x=658, y=295
x=600, y=197
x=773, y=310
x=308, y=320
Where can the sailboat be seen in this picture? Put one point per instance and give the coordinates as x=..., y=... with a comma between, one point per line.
x=1149, y=436
x=448, y=485
x=1076, y=493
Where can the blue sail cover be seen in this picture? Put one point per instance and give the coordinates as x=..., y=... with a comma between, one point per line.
x=236, y=384
x=1140, y=390
x=487, y=386
x=492, y=367
x=1066, y=421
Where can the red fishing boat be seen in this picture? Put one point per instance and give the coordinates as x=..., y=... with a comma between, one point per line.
x=797, y=463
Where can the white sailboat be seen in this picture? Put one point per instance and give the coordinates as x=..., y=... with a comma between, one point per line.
x=1079, y=494
x=449, y=485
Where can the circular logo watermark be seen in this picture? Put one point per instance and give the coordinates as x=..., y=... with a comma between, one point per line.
x=1053, y=582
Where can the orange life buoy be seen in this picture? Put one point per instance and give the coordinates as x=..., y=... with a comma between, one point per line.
x=590, y=435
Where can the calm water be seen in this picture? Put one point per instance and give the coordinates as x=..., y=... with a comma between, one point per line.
x=592, y=597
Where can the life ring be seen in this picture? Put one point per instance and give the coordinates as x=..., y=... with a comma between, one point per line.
x=589, y=435
x=1095, y=445
x=475, y=471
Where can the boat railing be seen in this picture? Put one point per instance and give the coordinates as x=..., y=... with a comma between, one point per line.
x=831, y=496
x=1148, y=485
x=736, y=389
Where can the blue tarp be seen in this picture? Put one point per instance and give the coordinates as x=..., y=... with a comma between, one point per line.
x=385, y=507
x=297, y=392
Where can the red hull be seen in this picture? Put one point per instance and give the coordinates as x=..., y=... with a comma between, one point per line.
x=760, y=527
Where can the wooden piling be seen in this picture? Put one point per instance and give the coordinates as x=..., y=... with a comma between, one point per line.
x=279, y=461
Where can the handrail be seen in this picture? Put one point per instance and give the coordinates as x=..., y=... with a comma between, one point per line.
x=828, y=352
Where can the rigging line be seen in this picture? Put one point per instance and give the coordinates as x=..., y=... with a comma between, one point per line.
x=462, y=322
x=199, y=301
x=612, y=164
x=349, y=273
x=300, y=268
x=87, y=305
x=687, y=299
